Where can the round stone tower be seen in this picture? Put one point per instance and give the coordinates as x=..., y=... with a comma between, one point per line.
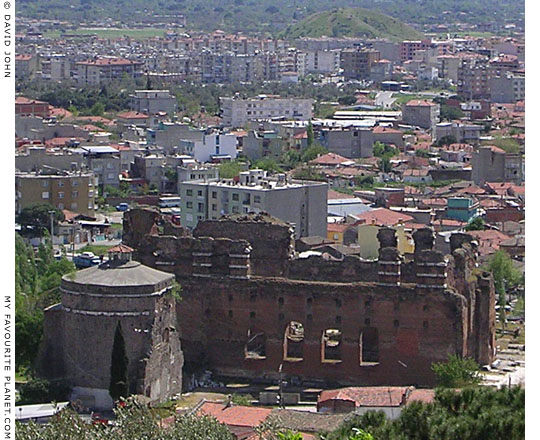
x=79, y=332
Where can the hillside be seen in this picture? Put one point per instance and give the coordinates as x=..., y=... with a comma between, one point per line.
x=270, y=17
x=351, y=22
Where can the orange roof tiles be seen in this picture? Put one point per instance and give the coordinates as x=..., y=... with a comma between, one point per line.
x=367, y=396
x=235, y=415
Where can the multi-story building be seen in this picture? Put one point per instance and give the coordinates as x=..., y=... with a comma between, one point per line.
x=463, y=133
x=301, y=203
x=31, y=107
x=507, y=88
x=75, y=191
x=25, y=65
x=263, y=143
x=104, y=161
x=449, y=66
x=103, y=70
x=211, y=147
x=493, y=164
x=410, y=49
x=321, y=61
x=461, y=208
x=356, y=63
x=421, y=113
x=153, y=101
x=236, y=112
x=347, y=142
x=473, y=79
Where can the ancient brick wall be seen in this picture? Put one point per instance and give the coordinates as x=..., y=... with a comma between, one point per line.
x=342, y=322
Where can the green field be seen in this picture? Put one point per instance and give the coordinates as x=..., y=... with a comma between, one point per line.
x=138, y=34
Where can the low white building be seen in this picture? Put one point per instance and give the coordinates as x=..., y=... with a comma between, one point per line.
x=211, y=147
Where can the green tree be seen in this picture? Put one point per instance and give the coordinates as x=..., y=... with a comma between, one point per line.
x=384, y=165
x=228, y=170
x=97, y=109
x=383, y=150
x=476, y=224
x=451, y=113
x=267, y=164
x=446, y=140
x=36, y=217
x=119, y=384
x=313, y=152
x=457, y=372
x=422, y=153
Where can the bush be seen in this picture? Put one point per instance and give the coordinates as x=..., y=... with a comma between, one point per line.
x=457, y=372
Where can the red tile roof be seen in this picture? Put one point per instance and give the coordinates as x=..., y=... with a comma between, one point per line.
x=378, y=129
x=337, y=227
x=419, y=103
x=330, y=159
x=382, y=217
x=23, y=100
x=132, y=115
x=121, y=248
x=426, y=396
x=367, y=396
x=233, y=415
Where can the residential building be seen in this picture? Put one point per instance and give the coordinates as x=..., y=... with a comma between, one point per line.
x=38, y=157
x=463, y=133
x=153, y=101
x=350, y=142
x=301, y=203
x=75, y=191
x=421, y=113
x=473, y=79
x=211, y=147
x=31, y=107
x=357, y=63
x=26, y=65
x=449, y=67
x=104, y=161
x=493, y=164
x=236, y=112
x=103, y=70
x=461, y=208
x=507, y=88
x=388, y=136
x=262, y=143
x=410, y=49
x=169, y=134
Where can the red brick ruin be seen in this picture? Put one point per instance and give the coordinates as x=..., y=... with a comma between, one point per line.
x=249, y=303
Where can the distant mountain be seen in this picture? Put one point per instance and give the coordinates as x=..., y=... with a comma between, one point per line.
x=351, y=22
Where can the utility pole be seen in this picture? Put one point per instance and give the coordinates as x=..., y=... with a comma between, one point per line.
x=281, y=404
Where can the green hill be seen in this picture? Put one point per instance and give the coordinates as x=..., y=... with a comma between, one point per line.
x=351, y=22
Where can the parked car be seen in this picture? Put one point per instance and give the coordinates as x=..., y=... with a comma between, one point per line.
x=122, y=206
x=86, y=259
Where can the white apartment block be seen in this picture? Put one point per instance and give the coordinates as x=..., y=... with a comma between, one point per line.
x=237, y=112
x=212, y=146
x=301, y=203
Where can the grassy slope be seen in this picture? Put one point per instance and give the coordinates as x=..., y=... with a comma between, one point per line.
x=353, y=22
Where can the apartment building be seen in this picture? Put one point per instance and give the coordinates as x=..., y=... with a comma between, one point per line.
x=103, y=70
x=409, y=50
x=75, y=191
x=104, y=161
x=348, y=142
x=473, y=79
x=507, y=88
x=492, y=164
x=463, y=133
x=236, y=112
x=357, y=63
x=211, y=147
x=421, y=113
x=31, y=107
x=26, y=65
x=153, y=101
x=303, y=204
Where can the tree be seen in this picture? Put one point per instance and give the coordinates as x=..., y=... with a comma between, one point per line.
x=384, y=165
x=422, y=153
x=476, y=224
x=97, y=109
x=119, y=385
x=505, y=275
x=36, y=217
x=267, y=164
x=313, y=152
x=446, y=140
x=451, y=113
x=383, y=150
x=457, y=372
x=228, y=170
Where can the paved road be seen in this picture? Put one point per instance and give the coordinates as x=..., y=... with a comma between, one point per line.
x=384, y=99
